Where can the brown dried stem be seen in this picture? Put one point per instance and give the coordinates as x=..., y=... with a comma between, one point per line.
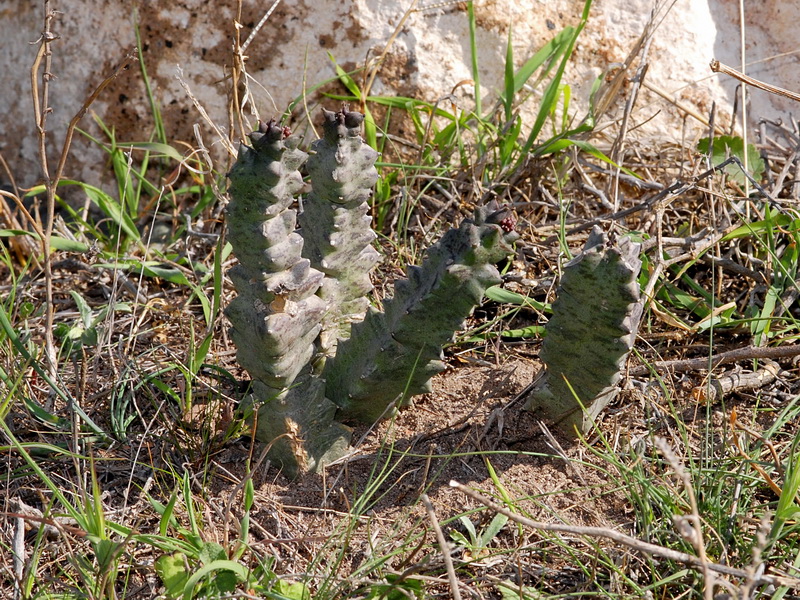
x=627, y=540
x=732, y=381
x=719, y=67
x=705, y=362
x=41, y=106
x=443, y=546
x=41, y=109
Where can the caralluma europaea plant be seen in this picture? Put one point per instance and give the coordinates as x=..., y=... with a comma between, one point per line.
x=595, y=321
x=301, y=290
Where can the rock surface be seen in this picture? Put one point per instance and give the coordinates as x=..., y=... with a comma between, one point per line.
x=429, y=57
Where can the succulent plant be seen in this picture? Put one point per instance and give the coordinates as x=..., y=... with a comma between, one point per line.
x=595, y=320
x=336, y=224
x=393, y=354
x=276, y=316
x=301, y=290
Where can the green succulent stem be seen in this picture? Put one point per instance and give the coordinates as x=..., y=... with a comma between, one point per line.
x=393, y=354
x=302, y=293
x=277, y=315
x=336, y=224
x=595, y=321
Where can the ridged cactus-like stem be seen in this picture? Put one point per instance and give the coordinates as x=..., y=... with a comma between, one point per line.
x=392, y=356
x=335, y=223
x=595, y=320
x=302, y=294
x=299, y=424
x=276, y=316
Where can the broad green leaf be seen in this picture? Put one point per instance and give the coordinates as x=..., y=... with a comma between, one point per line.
x=113, y=209
x=238, y=569
x=210, y=552
x=497, y=523
x=105, y=551
x=470, y=527
x=550, y=97
x=171, y=568
x=727, y=145
x=292, y=591
x=83, y=308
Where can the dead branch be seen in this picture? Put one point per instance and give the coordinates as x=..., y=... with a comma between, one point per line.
x=696, y=364
x=626, y=540
x=732, y=381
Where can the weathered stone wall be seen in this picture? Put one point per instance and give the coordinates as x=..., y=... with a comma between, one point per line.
x=428, y=58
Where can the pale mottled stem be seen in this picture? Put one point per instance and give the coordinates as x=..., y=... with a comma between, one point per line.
x=594, y=325
x=276, y=316
x=392, y=356
x=336, y=224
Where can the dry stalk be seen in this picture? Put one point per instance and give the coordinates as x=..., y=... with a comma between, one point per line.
x=374, y=72
x=690, y=527
x=237, y=69
x=40, y=97
x=705, y=362
x=23, y=246
x=733, y=381
x=41, y=110
x=258, y=27
x=664, y=196
x=448, y=561
x=642, y=48
x=681, y=106
x=629, y=541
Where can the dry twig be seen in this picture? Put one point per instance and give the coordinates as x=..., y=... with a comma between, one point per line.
x=689, y=526
x=719, y=67
x=40, y=98
x=626, y=540
x=696, y=364
x=448, y=561
x=732, y=381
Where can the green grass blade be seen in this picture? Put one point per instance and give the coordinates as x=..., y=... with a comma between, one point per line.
x=788, y=508
x=473, y=52
x=154, y=108
x=370, y=128
x=157, y=148
x=110, y=207
x=553, y=88
x=547, y=55
x=507, y=98
x=504, y=296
